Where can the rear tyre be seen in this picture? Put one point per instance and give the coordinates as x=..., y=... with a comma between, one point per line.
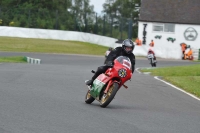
x=107, y=98
x=88, y=98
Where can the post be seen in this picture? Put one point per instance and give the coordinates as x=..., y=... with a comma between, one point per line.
x=121, y=28
x=111, y=26
x=0, y=17
x=86, y=24
x=29, y=16
x=104, y=19
x=96, y=26
x=75, y=24
x=85, y=18
x=130, y=29
x=199, y=55
x=56, y=20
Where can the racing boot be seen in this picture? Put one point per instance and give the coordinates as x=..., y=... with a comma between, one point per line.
x=96, y=74
x=89, y=82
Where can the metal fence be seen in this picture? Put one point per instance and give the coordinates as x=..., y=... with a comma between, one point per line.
x=105, y=25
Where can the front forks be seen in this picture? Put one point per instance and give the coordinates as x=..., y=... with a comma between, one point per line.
x=109, y=84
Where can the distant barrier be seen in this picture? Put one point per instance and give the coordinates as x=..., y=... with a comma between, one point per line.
x=33, y=60
x=196, y=54
x=199, y=55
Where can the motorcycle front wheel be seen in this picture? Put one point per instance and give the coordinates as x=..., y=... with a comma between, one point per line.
x=108, y=97
x=88, y=98
x=151, y=62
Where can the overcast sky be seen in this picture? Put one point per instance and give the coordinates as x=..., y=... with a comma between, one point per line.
x=98, y=5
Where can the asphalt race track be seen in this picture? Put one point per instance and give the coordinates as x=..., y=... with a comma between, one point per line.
x=49, y=98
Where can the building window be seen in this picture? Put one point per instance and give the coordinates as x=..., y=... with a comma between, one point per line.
x=158, y=28
x=164, y=28
x=169, y=27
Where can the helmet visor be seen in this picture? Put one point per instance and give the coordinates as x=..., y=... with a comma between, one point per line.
x=128, y=49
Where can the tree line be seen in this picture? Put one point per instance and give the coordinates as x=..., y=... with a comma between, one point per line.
x=73, y=15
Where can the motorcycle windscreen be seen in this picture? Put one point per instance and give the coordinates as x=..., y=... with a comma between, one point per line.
x=98, y=85
x=125, y=61
x=150, y=56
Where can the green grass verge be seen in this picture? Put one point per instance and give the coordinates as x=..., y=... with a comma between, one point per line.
x=185, y=77
x=14, y=59
x=50, y=46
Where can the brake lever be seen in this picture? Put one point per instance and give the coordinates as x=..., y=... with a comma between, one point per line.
x=93, y=71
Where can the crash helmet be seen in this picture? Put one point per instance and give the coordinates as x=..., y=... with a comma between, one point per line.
x=150, y=51
x=128, y=46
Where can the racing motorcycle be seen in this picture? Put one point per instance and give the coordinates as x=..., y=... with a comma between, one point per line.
x=106, y=85
x=152, y=59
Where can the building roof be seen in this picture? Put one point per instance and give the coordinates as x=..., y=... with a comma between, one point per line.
x=170, y=11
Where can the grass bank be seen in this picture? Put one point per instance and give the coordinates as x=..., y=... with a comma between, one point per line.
x=185, y=77
x=14, y=59
x=50, y=46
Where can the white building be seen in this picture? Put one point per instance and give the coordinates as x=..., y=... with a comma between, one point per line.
x=169, y=23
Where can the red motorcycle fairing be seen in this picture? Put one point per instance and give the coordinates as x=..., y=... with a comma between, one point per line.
x=106, y=78
x=103, y=78
x=112, y=74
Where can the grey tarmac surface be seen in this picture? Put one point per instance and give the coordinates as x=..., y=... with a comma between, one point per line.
x=49, y=98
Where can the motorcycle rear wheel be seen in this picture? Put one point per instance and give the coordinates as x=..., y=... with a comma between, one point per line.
x=88, y=98
x=108, y=97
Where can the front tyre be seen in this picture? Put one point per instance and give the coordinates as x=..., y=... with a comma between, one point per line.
x=88, y=98
x=108, y=97
x=152, y=64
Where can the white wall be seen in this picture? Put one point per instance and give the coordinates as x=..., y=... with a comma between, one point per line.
x=62, y=35
x=57, y=35
x=164, y=48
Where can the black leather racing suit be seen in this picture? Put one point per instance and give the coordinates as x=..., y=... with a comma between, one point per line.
x=110, y=60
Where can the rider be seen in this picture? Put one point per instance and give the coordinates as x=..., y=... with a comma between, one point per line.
x=183, y=48
x=126, y=50
x=151, y=52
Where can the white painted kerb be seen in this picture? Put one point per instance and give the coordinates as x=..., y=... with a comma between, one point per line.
x=33, y=60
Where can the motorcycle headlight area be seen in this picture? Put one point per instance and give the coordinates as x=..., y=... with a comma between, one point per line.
x=122, y=73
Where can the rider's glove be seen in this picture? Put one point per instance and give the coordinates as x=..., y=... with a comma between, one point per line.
x=109, y=63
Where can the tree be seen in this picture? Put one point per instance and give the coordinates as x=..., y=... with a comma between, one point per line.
x=76, y=15
x=122, y=12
